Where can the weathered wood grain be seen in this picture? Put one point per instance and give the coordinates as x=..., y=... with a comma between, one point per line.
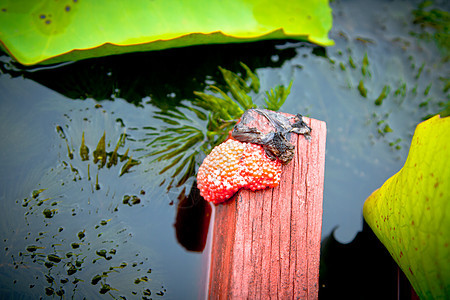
x=266, y=244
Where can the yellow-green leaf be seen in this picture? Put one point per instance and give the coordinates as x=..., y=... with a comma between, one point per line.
x=410, y=213
x=51, y=31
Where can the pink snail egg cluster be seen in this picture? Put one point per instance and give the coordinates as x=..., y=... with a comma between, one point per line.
x=234, y=165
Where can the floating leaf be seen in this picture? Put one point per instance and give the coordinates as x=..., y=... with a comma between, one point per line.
x=410, y=213
x=54, y=31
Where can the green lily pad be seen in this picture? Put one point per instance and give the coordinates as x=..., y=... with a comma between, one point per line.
x=55, y=31
x=410, y=213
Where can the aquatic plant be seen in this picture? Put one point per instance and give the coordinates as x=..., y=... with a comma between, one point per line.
x=434, y=24
x=190, y=132
x=410, y=213
x=56, y=31
x=252, y=157
x=72, y=255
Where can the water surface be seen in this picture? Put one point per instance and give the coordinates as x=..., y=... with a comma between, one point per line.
x=74, y=226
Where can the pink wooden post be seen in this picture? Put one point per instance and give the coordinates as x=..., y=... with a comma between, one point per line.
x=266, y=244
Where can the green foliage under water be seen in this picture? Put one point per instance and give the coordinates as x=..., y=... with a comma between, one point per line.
x=65, y=250
x=435, y=25
x=183, y=140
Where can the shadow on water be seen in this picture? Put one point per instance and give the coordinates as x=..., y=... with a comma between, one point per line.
x=192, y=221
x=351, y=270
x=165, y=77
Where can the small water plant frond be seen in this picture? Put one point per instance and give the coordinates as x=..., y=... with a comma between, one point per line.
x=184, y=140
x=178, y=142
x=434, y=25
x=277, y=96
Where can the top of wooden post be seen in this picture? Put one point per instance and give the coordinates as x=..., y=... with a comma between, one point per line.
x=267, y=243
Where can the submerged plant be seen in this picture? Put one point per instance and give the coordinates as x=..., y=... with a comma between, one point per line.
x=183, y=140
x=66, y=240
x=434, y=24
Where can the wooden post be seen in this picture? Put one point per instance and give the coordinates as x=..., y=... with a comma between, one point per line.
x=266, y=244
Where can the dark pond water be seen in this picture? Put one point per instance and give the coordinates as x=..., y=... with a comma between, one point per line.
x=74, y=225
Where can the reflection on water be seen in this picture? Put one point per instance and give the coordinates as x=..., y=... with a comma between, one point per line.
x=163, y=78
x=192, y=222
x=82, y=216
